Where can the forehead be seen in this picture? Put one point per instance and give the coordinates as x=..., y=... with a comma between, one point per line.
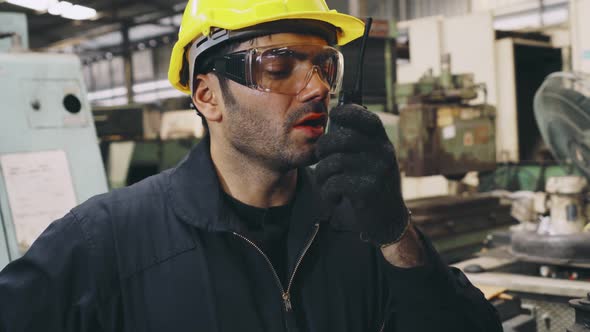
x=282, y=38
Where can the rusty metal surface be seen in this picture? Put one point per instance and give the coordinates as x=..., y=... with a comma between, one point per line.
x=448, y=216
x=446, y=139
x=442, y=204
x=552, y=249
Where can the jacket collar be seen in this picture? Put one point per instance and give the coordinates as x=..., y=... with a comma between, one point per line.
x=196, y=197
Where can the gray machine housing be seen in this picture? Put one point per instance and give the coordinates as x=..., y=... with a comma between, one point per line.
x=45, y=108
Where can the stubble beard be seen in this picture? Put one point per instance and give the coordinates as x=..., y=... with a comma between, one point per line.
x=268, y=145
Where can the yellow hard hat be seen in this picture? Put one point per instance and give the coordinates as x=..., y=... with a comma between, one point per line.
x=202, y=17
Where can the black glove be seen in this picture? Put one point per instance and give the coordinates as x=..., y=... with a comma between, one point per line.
x=357, y=162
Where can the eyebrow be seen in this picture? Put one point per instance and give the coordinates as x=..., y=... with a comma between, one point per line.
x=297, y=55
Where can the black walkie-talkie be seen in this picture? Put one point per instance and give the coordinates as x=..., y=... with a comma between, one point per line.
x=355, y=96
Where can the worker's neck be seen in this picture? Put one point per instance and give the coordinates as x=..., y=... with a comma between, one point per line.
x=249, y=181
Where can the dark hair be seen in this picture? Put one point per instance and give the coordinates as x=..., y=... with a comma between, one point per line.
x=204, y=67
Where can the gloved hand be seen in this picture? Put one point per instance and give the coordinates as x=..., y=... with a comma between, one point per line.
x=357, y=162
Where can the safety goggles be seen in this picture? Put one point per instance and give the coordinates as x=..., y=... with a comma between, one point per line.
x=284, y=69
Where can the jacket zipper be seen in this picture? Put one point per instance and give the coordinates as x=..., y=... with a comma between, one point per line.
x=285, y=294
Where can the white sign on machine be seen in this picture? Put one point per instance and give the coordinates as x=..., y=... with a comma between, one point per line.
x=49, y=155
x=40, y=190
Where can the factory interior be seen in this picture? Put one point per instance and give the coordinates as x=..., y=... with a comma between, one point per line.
x=487, y=103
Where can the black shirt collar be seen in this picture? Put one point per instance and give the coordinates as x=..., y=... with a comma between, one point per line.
x=195, y=195
x=256, y=218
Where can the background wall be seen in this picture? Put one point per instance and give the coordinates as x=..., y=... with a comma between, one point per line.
x=508, y=13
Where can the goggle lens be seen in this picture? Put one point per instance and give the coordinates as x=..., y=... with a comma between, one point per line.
x=289, y=69
x=285, y=69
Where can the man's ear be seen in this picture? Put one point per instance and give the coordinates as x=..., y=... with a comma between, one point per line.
x=205, y=97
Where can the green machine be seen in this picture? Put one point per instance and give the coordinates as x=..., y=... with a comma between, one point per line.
x=140, y=140
x=441, y=130
x=49, y=157
x=445, y=129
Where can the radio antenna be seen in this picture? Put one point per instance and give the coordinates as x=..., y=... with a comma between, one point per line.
x=356, y=95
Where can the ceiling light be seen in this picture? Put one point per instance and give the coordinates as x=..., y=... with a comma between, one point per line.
x=60, y=7
x=38, y=5
x=77, y=12
x=64, y=8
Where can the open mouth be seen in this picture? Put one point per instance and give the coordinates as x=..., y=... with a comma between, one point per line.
x=315, y=120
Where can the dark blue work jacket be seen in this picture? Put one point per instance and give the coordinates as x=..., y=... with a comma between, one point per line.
x=166, y=255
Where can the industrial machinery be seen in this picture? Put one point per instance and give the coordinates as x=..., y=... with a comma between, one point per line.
x=49, y=155
x=379, y=64
x=13, y=32
x=582, y=308
x=126, y=122
x=140, y=140
x=562, y=109
x=514, y=317
x=440, y=132
x=459, y=224
x=546, y=259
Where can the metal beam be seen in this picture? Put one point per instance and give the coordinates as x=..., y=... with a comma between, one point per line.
x=127, y=53
x=541, y=13
x=357, y=8
x=389, y=9
x=77, y=39
x=404, y=10
x=354, y=7
x=117, y=50
x=92, y=29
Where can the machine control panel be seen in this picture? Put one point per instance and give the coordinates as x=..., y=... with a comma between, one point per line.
x=49, y=154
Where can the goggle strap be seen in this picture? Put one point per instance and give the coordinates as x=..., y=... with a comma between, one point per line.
x=216, y=36
x=232, y=66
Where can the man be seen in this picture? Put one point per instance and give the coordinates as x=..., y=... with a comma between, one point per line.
x=241, y=236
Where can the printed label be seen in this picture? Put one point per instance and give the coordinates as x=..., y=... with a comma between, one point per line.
x=449, y=132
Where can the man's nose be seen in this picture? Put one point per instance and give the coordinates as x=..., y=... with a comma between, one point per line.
x=317, y=89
